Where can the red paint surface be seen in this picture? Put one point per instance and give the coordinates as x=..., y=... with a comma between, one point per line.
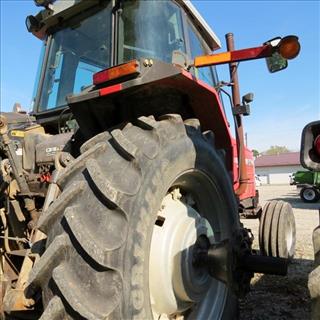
x=111, y=89
x=317, y=145
x=251, y=53
x=215, y=106
x=251, y=188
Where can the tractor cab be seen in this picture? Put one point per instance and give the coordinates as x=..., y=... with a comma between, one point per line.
x=137, y=195
x=89, y=36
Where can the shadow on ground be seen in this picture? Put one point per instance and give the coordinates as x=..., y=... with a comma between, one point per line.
x=294, y=199
x=277, y=297
x=296, y=202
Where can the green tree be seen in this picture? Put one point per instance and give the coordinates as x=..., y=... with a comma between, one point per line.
x=276, y=150
x=255, y=152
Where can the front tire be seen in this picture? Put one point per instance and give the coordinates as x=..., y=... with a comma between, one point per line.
x=96, y=264
x=277, y=230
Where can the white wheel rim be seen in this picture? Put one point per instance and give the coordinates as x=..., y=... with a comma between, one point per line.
x=175, y=285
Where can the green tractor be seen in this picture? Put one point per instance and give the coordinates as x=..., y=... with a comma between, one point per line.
x=119, y=193
x=309, y=182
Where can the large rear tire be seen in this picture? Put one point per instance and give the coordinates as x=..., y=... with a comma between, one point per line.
x=96, y=264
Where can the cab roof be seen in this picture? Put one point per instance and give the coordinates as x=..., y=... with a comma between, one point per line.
x=205, y=30
x=207, y=33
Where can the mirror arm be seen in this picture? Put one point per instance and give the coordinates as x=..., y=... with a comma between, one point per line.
x=234, y=56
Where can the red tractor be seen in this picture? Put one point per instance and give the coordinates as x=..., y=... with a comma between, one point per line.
x=121, y=193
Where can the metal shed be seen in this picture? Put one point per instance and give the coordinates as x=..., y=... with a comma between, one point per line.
x=276, y=169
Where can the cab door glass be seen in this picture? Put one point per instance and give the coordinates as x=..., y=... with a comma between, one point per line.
x=197, y=48
x=207, y=74
x=78, y=50
x=54, y=76
x=84, y=74
x=149, y=29
x=38, y=74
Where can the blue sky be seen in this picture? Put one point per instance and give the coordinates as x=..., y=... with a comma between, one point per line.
x=284, y=102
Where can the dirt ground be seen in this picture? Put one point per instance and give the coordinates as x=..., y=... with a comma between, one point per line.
x=274, y=297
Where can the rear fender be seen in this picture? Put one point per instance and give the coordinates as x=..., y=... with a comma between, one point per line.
x=161, y=88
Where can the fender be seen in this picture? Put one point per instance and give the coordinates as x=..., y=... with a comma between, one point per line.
x=159, y=88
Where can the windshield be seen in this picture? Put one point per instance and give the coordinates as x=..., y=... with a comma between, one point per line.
x=75, y=54
x=153, y=29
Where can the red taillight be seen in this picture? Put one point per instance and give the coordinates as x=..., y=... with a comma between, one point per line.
x=317, y=145
x=130, y=68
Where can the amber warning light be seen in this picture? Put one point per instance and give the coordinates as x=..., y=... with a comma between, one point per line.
x=289, y=47
x=131, y=68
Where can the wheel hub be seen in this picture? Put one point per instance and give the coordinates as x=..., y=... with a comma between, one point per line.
x=176, y=282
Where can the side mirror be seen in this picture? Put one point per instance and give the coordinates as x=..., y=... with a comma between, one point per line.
x=247, y=98
x=276, y=63
x=284, y=49
x=310, y=146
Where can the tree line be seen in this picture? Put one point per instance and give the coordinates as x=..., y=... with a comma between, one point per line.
x=273, y=150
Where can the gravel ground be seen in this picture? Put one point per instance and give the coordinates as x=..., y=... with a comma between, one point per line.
x=274, y=297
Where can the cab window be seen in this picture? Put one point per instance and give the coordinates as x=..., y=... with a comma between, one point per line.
x=76, y=52
x=150, y=29
x=197, y=48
